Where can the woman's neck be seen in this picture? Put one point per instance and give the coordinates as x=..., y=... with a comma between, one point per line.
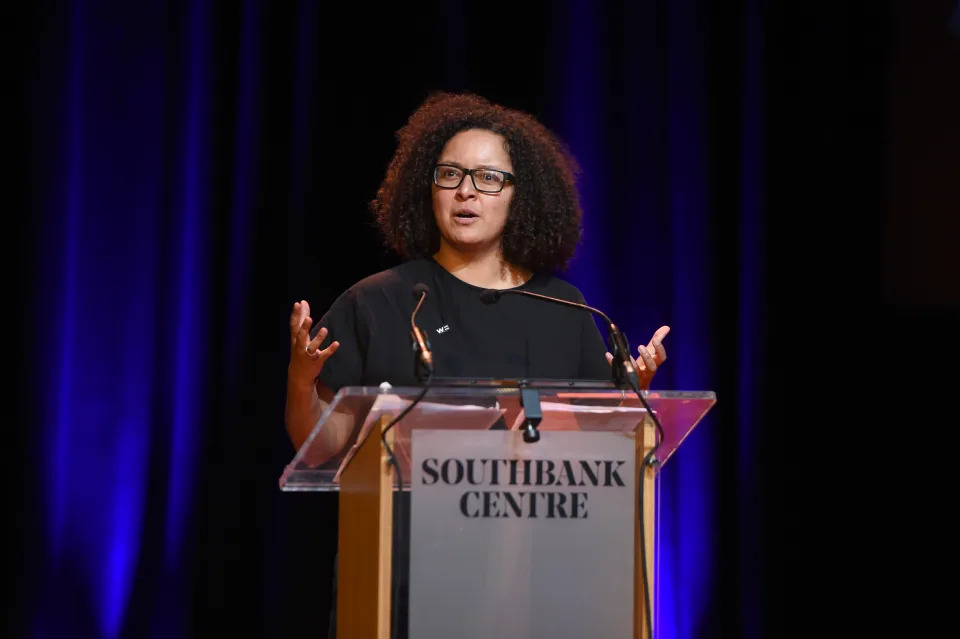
x=486, y=270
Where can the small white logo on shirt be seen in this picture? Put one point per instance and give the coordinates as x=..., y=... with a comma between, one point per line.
x=443, y=329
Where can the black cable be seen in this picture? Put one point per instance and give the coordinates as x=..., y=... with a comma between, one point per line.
x=648, y=460
x=397, y=574
x=627, y=372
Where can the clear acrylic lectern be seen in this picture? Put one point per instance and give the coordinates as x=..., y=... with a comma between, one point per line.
x=504, y=537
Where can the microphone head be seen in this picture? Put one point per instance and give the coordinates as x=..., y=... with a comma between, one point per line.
x=420, y=289
x=489, y=296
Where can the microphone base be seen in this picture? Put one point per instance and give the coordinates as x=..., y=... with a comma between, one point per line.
x=530, y=400
x=530, y=433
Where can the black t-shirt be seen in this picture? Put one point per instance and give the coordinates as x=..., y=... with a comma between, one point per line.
x=516, y=337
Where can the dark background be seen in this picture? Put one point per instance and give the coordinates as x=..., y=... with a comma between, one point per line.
x=858, y=248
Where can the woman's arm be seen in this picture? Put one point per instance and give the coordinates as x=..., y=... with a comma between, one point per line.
x=307, y=396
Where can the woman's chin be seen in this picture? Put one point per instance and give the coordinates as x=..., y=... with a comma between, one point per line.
x=468, y=238
x=471, y=244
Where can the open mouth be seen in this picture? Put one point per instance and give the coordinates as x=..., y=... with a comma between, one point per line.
x=466, y=215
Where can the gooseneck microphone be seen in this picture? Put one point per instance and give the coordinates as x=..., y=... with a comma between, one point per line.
x=424, y=362
x=423, y=368
x=623, y=371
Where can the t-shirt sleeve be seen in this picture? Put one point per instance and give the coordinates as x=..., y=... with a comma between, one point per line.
x=593, y=360
x=344, y=323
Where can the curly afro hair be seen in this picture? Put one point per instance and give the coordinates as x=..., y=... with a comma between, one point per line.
x=544, y=224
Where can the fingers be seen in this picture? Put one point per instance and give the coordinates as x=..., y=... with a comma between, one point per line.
x=301, y=311
x=661, y=332
x=302, y=338
x=637, y=366
x=295, y=320
x=314, y=344
x=325, y=354
x=651, y=356
x=313, y=348
x=647, y=362
x=655, y=347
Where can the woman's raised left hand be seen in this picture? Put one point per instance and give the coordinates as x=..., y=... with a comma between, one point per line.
x=651, y=356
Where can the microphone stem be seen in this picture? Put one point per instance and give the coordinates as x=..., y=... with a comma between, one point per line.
x=624, y=370
x=424, y=360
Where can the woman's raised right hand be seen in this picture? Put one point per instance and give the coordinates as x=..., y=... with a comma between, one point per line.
x=306, y=360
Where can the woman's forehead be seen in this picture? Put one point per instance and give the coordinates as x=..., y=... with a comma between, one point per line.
x=476, y=146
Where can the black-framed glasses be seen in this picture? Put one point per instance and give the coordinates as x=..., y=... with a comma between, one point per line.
x=447, y=176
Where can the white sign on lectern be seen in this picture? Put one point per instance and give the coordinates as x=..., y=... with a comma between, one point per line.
x=529, y=543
